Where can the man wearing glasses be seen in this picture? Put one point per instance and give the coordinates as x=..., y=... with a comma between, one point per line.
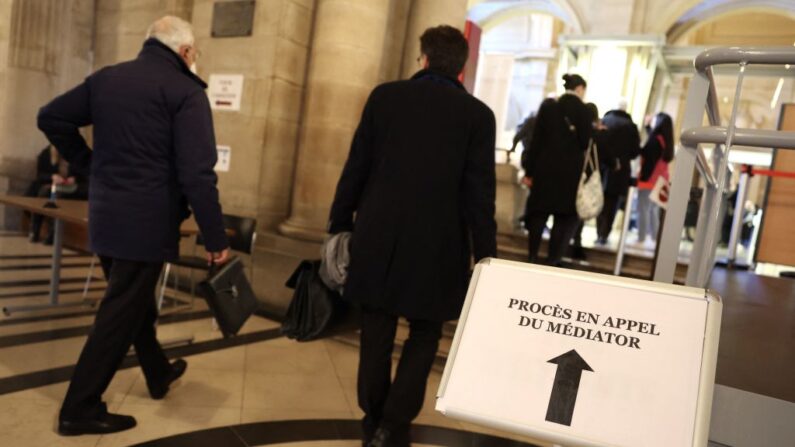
x=154, y=153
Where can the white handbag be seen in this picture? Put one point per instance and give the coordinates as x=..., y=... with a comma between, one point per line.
x=590, y=196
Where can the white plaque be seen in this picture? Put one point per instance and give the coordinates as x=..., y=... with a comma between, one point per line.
x=224, y=158
x=225, y=91
x=583, y=359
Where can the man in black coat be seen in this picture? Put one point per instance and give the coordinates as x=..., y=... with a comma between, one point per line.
x=619, y=144
x=420, y=179
x=154, y=153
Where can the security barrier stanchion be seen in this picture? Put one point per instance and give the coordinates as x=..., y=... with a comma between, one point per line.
x=737, y=220
x=622, y=241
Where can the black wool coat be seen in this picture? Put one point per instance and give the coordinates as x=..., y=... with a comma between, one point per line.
x=556, y=155
x=154, y=153
x=420, y=180
x=618, y=146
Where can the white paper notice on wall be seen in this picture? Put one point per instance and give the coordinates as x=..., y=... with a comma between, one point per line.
x=225, y=91
x=583, y=359
x=224, y=158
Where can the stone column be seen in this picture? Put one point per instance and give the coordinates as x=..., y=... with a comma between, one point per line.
x=425, y=14
x=345, y=64
x=44, y=50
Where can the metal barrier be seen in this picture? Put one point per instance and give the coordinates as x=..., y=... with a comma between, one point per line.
x=742, y=194
x=702, y=97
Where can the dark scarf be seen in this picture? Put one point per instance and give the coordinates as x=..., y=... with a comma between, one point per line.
x=435, y=76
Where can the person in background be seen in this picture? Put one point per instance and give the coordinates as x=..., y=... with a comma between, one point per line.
x=577, y=251
x=553, y=166
x=420, y=180
x=619, y=145
x=524, y=133
x=656, y=154
x=154, y=153
x=52, y=169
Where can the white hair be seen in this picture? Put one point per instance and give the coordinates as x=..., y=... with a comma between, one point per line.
x=172, y=32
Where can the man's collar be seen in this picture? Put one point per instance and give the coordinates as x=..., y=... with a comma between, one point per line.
x=156, y=47
x=437, y=76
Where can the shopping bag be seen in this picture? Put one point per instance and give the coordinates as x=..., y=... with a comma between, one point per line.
x=590, y=196
x=660, y=192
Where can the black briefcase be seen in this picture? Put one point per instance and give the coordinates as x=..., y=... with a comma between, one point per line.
x=315, y=310
x=229, y=296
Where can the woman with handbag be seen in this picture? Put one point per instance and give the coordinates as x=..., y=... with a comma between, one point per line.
x=553, y=167
x=656, y=154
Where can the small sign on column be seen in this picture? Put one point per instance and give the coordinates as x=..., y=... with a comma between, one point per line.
x=225, y=91
x=224, y=158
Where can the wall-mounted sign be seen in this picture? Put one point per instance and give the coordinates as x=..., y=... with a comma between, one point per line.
x=233, y=18
x=582, y=359
x=224, y=158
x=225, y=91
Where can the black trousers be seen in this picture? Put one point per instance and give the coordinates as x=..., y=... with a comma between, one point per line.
x=393, y=404
x=576, y=237
x=604, y=222
x=562, y=230
x=126, y=316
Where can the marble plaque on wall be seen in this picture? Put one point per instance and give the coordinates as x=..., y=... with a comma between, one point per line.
x=233, y=18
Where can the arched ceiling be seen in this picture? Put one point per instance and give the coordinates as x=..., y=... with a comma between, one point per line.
x=489, y=13
x=705, y=10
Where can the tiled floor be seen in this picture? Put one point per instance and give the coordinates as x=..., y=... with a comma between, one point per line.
x=230, y=384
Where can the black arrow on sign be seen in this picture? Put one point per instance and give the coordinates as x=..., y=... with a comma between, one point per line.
x=567, y=384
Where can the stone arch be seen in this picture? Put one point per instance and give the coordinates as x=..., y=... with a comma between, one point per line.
x=488, y=15
x=693, y=12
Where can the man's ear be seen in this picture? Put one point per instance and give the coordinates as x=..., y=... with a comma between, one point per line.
x=183, y=52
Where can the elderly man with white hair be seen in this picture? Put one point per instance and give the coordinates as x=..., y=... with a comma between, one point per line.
x=153, y=156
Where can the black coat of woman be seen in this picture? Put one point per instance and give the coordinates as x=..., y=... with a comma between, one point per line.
x=556, y=154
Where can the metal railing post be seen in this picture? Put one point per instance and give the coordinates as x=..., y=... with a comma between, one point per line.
x=737, y=221
x=622, y=241
x=704, y=265
x=681, y=180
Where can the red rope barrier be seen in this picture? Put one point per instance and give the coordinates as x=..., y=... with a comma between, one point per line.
x=768, y=172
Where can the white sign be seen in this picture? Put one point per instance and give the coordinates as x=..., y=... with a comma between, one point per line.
x=224, y=158
x=225, y=91
x=583, y=359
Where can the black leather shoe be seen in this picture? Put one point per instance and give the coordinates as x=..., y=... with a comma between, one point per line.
x=107, y=423
x=178, y=368
x=386, y=438
x=577, y=252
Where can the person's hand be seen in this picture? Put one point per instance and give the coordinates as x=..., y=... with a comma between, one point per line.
x=218, y=257
x=57, y=179
x=69, y=181
x=527, y=181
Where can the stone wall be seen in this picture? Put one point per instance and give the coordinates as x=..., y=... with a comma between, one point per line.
x=45, y=48
x=121, y=26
